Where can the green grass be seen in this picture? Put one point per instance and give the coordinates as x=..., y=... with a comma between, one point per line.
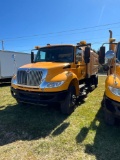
x=43, y=133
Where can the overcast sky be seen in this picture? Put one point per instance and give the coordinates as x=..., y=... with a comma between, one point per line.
x=27, y=23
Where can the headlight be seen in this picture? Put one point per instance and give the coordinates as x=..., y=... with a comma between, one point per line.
x=14, y=80
x=53, y=84
x=115, y=91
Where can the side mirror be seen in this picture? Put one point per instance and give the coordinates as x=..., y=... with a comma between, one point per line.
x=109, y=54
x=102, y=55
x=87, y=55
x=32, y=57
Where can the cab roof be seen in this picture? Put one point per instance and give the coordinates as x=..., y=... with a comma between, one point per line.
x=58, y=45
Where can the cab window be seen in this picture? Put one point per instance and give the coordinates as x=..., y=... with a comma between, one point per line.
x=79, y=54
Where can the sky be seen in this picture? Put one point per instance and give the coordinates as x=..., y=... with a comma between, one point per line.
x=25, y=24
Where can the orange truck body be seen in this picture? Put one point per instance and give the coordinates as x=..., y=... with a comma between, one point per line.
x=48, y=80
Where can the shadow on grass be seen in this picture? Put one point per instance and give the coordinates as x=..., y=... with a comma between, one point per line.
x=29, y=123
x=106, y=141
x=60, y=129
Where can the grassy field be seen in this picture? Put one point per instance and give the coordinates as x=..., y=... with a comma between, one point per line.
x=43, y=133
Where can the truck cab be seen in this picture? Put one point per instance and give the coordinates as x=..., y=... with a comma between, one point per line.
x=55, y=75
x=111, y=99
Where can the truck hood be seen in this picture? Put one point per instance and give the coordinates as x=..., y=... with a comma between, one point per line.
x=45, y=65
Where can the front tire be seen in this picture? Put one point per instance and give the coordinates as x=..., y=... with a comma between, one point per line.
x=68, y=106
x=109, y=118
x=21, y=103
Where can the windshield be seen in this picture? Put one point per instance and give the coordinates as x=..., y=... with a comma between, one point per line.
x=55, y=54
x=118, y=52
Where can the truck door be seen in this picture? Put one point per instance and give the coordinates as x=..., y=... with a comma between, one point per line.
x=80, y=65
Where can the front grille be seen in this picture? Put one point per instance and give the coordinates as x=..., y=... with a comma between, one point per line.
x=29, y=78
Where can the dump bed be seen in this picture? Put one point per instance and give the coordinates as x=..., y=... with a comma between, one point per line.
x=92, y=67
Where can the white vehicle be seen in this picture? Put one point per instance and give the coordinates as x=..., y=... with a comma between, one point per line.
x=10, y=61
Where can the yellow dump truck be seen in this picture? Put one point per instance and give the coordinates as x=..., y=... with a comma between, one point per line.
x=57, y=74
x=111, y=64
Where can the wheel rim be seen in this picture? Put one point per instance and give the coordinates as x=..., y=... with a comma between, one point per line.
x=72, y=99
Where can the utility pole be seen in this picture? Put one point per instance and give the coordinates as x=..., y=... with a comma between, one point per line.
x=2, y=45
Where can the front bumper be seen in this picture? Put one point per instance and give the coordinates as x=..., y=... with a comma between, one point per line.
x=112, y=106
x=38, y=98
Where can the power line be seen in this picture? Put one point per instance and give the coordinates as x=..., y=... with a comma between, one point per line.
x=74, y=41
x=64, y=34
x=75, y=33
x=46, y=34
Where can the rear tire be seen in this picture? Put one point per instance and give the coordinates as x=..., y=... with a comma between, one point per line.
x=96, y=81
x=92, y=83
x=68, y=106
